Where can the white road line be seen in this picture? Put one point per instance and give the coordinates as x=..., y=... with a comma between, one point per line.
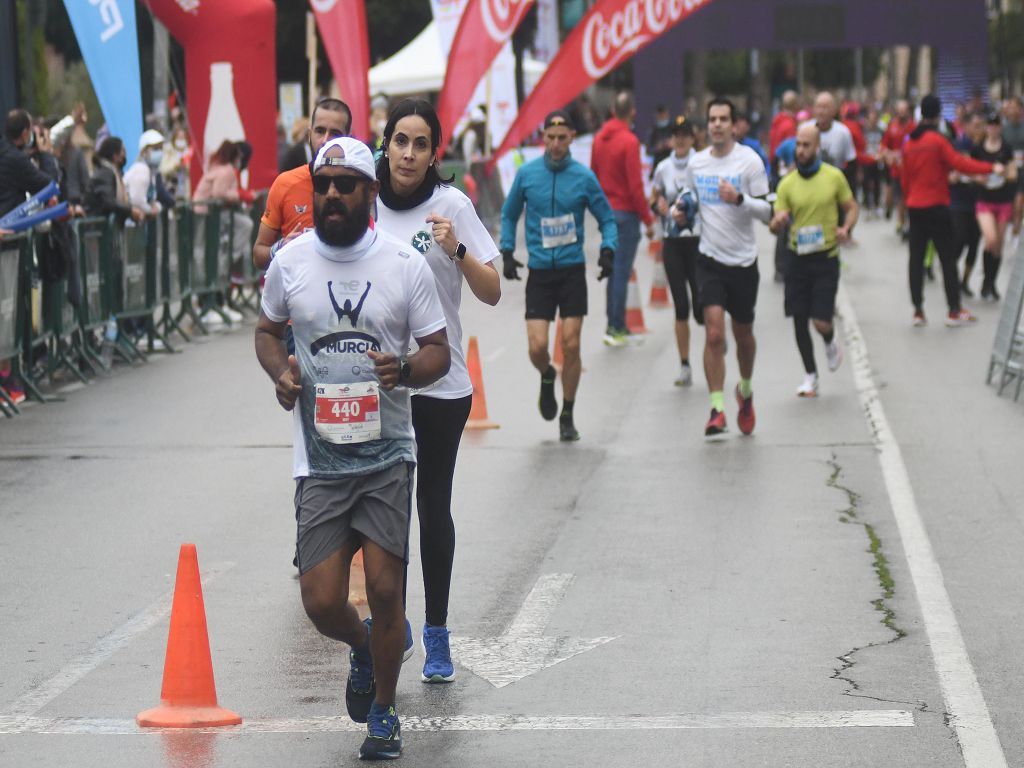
x=540, y=605
x=38, y=697
x=963, y=698
x=868, y=718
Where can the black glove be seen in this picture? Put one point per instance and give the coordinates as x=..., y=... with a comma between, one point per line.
x=605, y=262
x=510, y=266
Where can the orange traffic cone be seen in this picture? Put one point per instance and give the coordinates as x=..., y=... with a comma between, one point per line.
x=557, y=357
x=634, y=313
x=188, y=698
x=659, y=287
x=654, y=249
x=478, y=411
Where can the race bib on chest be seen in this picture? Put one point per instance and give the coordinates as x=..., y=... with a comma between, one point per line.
x=348, y=413
x=558, y=230
x=810, y=239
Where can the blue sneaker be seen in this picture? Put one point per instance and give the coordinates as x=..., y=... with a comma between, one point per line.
x=360, y=689
x=407, y=653
x=383, y=735
x=438, y=667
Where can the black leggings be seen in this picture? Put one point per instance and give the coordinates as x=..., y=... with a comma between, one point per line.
x=679, y=255
x=967, y=234
x=438, y=425
x=933, y=224
x=802, y=327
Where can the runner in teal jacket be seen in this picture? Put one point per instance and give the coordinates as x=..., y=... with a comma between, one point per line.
x=552, y=189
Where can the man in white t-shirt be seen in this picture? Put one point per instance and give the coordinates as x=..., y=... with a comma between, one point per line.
x=355, y=298
x=731, y=186
x=836, y=142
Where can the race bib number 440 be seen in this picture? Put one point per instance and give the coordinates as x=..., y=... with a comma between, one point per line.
x=348, y=413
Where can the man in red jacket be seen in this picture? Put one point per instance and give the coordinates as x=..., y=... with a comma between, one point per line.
x=784, y=123
x=900, y=126
x=928, y=158
x=615, y=160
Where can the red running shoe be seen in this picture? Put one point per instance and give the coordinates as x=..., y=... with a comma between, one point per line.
x=716, y=424
x=745, y=417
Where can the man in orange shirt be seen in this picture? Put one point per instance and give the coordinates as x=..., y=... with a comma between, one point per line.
x=289, y=209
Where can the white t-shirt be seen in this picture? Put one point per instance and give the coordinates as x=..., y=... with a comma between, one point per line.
x=836, y=144
x=669, y=179
x=412, y=229
x=727, y=230
x=342, y=302
x=137, y=180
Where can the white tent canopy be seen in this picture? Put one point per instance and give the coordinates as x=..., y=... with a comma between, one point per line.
x=420, y=67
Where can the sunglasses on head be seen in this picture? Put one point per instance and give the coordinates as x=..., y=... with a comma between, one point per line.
x=345, y=185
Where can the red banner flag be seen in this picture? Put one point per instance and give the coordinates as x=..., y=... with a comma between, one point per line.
x=342, y=25
x=485, y=26
x=610, y=33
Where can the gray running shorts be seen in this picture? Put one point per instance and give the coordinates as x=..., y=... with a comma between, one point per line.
x=330, y=512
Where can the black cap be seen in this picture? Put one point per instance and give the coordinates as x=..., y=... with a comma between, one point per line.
x=559, y=117
x=682, y=125
x=993, y=118
x=931, y=107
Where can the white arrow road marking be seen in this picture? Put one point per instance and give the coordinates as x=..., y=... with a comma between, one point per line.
x=867, y=718
x=523, y=650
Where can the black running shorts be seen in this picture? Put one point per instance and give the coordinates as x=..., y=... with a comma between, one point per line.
x=732, y=288
x=561, y=289
x=811, y=284
x=679, y=255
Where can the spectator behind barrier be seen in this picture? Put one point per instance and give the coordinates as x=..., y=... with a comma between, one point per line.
x=143, y=182
x=107, y=194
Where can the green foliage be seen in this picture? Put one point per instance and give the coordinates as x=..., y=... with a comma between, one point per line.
x=728, y=72
x=35, y=92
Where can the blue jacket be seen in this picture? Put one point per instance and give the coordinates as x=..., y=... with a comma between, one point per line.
x=550, y=190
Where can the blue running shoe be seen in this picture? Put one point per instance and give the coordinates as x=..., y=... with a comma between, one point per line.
x=407, y=653
x=438, y=667
x=360, y=689
x=383, y=735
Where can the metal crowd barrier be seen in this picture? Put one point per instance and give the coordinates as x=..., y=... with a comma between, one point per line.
x=14, y=250
x=1008, y=349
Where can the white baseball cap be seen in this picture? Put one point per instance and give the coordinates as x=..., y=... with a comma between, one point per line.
x=150, y=138
x=354, y=155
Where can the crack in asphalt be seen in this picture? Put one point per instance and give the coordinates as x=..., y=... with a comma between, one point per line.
x=847, y=661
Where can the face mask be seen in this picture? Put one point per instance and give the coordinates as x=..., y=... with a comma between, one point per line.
x=156, y=156
x=180, y=144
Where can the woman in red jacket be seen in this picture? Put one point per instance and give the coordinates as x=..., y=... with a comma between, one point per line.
x=928, y=158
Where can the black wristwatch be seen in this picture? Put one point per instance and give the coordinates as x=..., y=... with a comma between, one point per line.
x=404, y=370
x=739, y=199
x=460, y=252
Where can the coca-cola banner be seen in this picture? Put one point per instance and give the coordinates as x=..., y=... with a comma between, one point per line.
x=611, y=32
x=486, y=26
x=230, y=77
x=342, y=25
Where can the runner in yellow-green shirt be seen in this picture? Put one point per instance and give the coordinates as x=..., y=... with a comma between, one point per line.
x=810, y=201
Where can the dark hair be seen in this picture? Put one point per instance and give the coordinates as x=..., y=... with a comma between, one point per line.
x=332, y=105
x=722, y=101
x=109, y=147
x=405, y=108
x=18, y=121
x=226, y=153
x=245, y=152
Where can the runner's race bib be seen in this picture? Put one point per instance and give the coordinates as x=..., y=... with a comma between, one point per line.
x=810, y=239
x=558, y=230
x=348, y=413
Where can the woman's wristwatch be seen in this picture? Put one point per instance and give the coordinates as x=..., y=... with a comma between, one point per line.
x=460, y=252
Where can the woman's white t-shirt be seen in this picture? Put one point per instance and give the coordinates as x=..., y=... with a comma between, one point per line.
x=411, y=227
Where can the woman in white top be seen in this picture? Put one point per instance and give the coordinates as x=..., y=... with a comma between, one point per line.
x=420, y=208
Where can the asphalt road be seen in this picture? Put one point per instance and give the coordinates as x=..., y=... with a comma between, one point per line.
x=638, y=598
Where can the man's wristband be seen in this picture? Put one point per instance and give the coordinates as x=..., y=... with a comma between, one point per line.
x=739, y=199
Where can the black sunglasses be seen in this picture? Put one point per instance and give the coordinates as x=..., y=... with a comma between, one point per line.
x=345, y=185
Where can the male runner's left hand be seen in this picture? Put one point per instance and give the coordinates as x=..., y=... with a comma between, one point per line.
x=727, y=193
x=605, y=261
x=842, y=235
x=386, y=366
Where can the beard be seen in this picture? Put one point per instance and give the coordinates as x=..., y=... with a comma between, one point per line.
x=346, y=230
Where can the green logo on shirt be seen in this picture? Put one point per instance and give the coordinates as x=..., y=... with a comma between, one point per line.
x=422, y=241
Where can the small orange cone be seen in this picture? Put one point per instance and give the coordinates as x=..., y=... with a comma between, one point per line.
x=478, y=411
x=654, y=249
x=558, y=357
x=634, y=313
x=659, y=286
x=188, y=698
